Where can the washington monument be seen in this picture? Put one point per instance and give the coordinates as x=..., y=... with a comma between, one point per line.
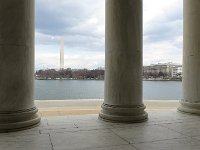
x=62, y=53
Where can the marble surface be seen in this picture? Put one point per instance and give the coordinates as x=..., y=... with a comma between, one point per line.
x=191, y=59
x=123, y=62
x=17, y=109
x=163, y=131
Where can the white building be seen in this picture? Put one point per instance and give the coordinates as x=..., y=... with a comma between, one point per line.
x=176, y=71
x=170, y=69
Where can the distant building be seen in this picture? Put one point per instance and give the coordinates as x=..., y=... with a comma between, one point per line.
x=100, y=68
x=163, y=69
x=176, y=71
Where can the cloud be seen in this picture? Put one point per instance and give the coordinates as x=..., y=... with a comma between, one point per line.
x=70, y=17
x=82, y=23
x=73, y=59
x=163, y=25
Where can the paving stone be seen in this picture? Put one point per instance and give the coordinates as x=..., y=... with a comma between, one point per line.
x=95, y=124
x=85, y=139
x=57, y=120
x=164, y=130
x=122, y=147
x=170, y=116
x=187, y=128
x=144, y=133
x=173, y=144
x=59, y=128
x=26, y=142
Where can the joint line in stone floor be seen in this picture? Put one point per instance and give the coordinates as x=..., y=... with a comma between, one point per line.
x=52, y=147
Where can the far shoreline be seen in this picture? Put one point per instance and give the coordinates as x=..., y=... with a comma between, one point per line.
x=103, y=80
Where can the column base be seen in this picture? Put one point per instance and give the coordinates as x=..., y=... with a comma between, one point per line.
x=19, y=120
x=123, y=114
x=187, y=107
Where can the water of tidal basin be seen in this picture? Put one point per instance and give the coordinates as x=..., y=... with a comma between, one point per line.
x=94, y=89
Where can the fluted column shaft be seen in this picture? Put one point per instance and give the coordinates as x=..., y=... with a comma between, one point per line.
x=123, y=62
x=17, y=109
x=190, y=102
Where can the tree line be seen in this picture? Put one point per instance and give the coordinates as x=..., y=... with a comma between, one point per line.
x=97, y=74
x=81, y=74
x=160, y=74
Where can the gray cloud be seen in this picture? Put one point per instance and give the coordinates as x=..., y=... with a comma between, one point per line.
x=76, y=21
x=166, y=25
x=56, y=17
x=81, y=22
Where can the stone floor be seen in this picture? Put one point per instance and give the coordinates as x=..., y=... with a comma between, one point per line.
x=80, y=107
x=165, y=130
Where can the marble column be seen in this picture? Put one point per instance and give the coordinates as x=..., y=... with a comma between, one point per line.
x=123, y=101
x=190, y=102
x=17, y=109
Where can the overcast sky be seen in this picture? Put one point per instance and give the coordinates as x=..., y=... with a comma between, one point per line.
x=81, y=23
